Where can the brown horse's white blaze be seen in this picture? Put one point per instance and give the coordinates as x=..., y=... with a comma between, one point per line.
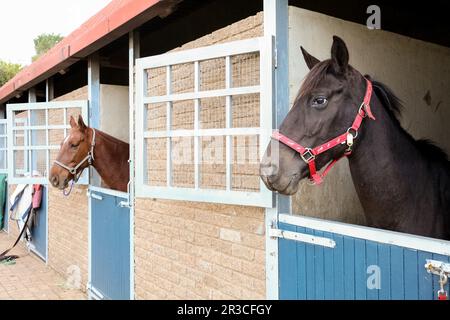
x=83, y=147
x=74, y=148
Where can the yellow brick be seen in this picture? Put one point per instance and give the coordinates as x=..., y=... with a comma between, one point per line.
x=256, y=270
x=243, y=252
x=230, y=235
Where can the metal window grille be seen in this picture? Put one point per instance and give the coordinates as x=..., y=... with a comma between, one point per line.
x=34, y=133
x=203, y=119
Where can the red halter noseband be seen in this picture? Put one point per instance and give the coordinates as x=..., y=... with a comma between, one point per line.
x=309, y=154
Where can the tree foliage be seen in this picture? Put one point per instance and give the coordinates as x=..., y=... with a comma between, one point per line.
x=7, y=71
x=45, y=42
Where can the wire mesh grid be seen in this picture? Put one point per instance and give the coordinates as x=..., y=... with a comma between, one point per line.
x=243, y=112
x=182, y=115
x=213, y=162
x=182, y=78
x=182, y=159
x=212, y=113
x=212, y=74
x=156, y=161
x=245, y=163
x=36, y=145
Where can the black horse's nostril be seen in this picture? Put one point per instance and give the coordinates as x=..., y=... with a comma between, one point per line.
x=268, y=170
x=54, y=181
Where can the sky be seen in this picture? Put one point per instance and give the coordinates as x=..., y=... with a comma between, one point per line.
x=23, y=20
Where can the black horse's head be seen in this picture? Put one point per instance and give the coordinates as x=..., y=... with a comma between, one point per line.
x=325, y=107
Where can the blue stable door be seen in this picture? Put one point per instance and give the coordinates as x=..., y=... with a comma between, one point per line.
x=355, y=269
x=110, y=247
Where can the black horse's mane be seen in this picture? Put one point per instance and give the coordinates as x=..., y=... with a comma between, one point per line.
x=393, y=105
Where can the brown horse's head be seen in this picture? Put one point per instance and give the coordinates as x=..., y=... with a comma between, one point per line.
x=74, y=149
x=325, y=107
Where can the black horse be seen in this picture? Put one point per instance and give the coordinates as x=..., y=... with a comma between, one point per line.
x=403, y=184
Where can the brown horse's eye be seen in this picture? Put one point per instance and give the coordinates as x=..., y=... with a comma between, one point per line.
x=73, y=146
x=319, y=102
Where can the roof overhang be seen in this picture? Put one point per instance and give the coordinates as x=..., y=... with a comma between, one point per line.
x=112, y=22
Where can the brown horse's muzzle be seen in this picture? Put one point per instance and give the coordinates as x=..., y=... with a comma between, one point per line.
x=59, y=178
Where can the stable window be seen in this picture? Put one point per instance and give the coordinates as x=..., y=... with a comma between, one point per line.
x=34, y=134
x=3, y=146
x=203, y=119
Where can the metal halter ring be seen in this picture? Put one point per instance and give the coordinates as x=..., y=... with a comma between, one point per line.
x=308, y=155
x=354, y=135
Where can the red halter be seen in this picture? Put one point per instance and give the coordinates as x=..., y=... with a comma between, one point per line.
x=309, y=154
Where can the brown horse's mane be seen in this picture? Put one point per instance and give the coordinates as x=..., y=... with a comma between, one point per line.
x=110, y=138
x=391, y=103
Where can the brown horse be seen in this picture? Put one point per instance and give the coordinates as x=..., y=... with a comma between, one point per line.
x=403, y=184
x=85, y=146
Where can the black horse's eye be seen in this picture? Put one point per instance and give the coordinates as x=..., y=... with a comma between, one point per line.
x=73, y=145
x=319, y=102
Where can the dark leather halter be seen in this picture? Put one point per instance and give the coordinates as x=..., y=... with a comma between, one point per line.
x=309, y=154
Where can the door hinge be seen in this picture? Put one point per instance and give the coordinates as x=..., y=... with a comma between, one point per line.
x=301, y=237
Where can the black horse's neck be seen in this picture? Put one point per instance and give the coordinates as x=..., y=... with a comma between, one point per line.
x=397, y=186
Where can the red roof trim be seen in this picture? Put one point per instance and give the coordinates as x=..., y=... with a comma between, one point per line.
x=110, y=18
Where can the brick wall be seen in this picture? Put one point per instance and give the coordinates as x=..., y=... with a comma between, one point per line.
x=189, y=250
x=68, y=216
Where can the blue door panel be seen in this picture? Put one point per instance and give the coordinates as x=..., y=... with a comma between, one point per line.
x=314, y=272
x=110, y=247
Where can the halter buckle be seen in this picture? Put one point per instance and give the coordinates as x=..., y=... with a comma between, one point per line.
x=362, y=110
x=308, y=155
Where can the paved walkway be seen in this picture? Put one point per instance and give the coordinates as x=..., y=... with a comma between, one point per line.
x=29, y=278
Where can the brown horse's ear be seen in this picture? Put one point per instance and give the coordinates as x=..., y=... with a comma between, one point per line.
x=339, y=55
x=309, y=59
x=72, y=122
x=81, y=124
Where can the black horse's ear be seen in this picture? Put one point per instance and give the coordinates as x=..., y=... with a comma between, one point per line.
x=339, y=55
x=309, y=59
x=81, y=123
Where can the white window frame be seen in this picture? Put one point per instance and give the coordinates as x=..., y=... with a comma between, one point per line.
x=4, y=149
x=11, y=109
x=265, y=47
